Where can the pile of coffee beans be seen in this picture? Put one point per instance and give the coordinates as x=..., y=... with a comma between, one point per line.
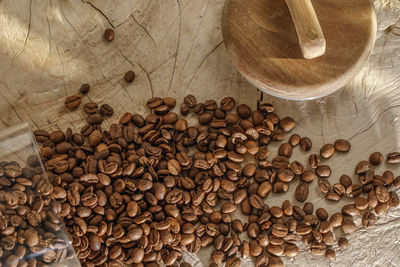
x=31, y=232
x=152, y=186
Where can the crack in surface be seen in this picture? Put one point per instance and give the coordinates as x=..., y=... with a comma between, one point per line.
x=148, y=77
x=29, y=30
x=376, y=119
x=145, y=29
x=194, y=37
x=177, y=46
x=99, y=11
x=201, y=64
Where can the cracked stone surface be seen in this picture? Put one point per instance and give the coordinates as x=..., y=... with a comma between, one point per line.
x=49, y=48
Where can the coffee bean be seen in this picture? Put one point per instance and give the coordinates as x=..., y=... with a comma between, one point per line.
x=129, y=76
x=287, y=124
x=190, y=101
x=285, y=175
x=276, y=212
x=350, y=210
x=330, y=254
x=327, y=151
x=275, y=250
x=336, y=219
x=368, y=219
x=305, y=144
x=243, y=111
x=343, y=243
x=106, y=110
x=332, y=196
x=308, y=176
x=314, y=160
x=287, y=208
x=233, y=262
x=90, y=107
x=318, y=248
x=382, y=194
x=301, y=193
x=291, y=251
x=256, y=202
x=308, y=208
x=345, y=180
x=285, y=150
x=275, y=262
x=381, y=208
x=362, y=167
x=72, y=102
x=323, y=171
x=342, y=145
x=324, y=186
x=296, y=167
x=109, y=35
x=84, y=88
x=94, y=119
x=361, y=203
x=376, y=158
x=294, y=140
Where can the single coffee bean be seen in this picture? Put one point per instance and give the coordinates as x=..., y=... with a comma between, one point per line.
x=301, y=193
x=275, y=262
x=275, y=250
x=84, y=88
x=350, y=210
x=256, y=201
x=368, y=219
x=343, y=243
x=324, y=185
x=227, y=104
x=314, y=160
x=305, y=144
x=287, y=124
x=72, y=102
x=345, y=180
x=323, y=171
x=255, y=248
x=285, y=150
x=296, y=167
x=327, y=151
x=330, y=254
x=276, y=211
x=336, y=219
x=233, y=262
x=106, y=110
x=109, y=35
x=332, y=196
x=393, y=201
x=393, y=158
x=294, y=140
x=291, y=251
x=285, y=175
x=382, y=194
x=287, y=208
x=243, y=111
x=381, y=208
x=322, y=214
x=362, y=167
x=342, y=145
x=129, y=76
x=361, y=203
x=308, y=176
x=308, y=208
x=318, y=248
x=190, y=101
x=90, y=107
x=376, y=158
x=93, y=119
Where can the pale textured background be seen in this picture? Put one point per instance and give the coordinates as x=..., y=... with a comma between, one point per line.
x=49, y=48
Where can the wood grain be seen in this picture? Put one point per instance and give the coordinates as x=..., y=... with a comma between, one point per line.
x=262, y=41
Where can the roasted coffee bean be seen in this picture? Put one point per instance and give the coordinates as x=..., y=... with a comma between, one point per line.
x=361, y=203
x=255, y=248
x=129, y=76
x=291, y=251
x=314, y=160
x=348, y=226
x=84, y=88
x=308, y=176
x=308, y=208
x=275, y=262
x=285, y=150
x=376, y=158
x=287, y=208
x=343, y=243
x=287, y=124
x=323, y=171
x=350, y=210
x=275, y=250
x=305, y=144
x=301, y=193
x=190, y=101
x=342, y=145
x=109, y=35
x=294, y=140
x=332, y=196
x=106, y=110
x=345, y=180
x=318, y=248
x=368, y=219
x=296, y=167
x=327, y=151
x=382, y=194
x=90, y=107
x=243, y=111
x=256, y=202
x=330, y=254
x=72, y=102
x=362, y=167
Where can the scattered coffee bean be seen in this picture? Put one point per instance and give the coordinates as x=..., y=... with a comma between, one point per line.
x=305, y=144
x=72, y=102
x=129, y=76
x=376, y=158
x=393, y=158
x=301, y=193
x=327, y=151
x=343, y=243
x=342, y=145
x=84, y=88
x=109, y=35
x=294, y=140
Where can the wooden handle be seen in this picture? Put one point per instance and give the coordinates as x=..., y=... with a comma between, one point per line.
x=311, y=38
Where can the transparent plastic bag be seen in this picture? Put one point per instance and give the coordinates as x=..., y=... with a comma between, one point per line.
x=31, y=232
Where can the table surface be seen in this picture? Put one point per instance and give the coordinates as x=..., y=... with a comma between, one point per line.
x=49, y=48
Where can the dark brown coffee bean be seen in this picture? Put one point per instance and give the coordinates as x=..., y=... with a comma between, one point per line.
x=129, y=76
x=362, y=167
x=109, y=35
x=323, y=171
x=345, y=180
x=181, y=125
x=227, y=104
x=205, y=118
x=393, y=158
x=327, y=151
x=285, y=150
x=276, y=212
x=296, y=167
x=294, y=140
x=332, y=196
x=343, y=243
x=368, y=219
x=287, y=208
x=184, y=109
x=256, y=202
x=190, y=101
x=255, y=248
x=233, y=262
x=350, y=210
x=318, y=248
x=330, y=254
x=342, y=145
x=275, y=262
x=106, y=110
x=90, y=107
x=308, y=208
x=84, y=88
x=94, y=119
x=361, y=203
x=72, y=102
x=243, y=111
x=376, y=158
x=287, y=124
x=322, y=214
x=301, y=193
x=279, y=230
x=314, y=160
x=305, y=144
x=285, y=175
x=291, y=251
x=308, y=176
x=382, y=194
x=324, y=185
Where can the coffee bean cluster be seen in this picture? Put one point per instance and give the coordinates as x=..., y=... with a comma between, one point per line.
x=31, y=232
x=152, y=186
